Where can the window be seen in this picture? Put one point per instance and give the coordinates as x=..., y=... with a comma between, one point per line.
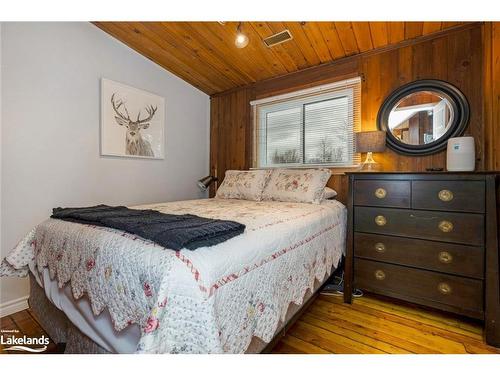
x=309, y=127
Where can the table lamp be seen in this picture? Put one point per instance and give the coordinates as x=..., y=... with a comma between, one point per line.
x=205, y=182
x=369, y=142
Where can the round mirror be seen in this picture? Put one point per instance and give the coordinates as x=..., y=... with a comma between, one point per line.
x=420, y=117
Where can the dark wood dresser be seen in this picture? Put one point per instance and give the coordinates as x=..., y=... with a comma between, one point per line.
x=427, y=238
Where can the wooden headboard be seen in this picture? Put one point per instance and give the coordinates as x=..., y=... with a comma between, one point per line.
x=339, y=183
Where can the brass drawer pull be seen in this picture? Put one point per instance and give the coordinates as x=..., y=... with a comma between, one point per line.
x=444, y=288
x=445, y=195
x=380, y=220
x=380, y=193
x=445, y=257
x=445, y=226
x=379, y=247
x=379, y=275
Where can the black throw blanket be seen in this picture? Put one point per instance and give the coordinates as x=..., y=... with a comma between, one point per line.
x=171, y=231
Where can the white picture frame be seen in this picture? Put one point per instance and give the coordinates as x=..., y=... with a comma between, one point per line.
x=132, y=122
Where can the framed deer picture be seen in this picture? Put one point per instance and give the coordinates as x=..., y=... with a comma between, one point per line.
x=132, y=122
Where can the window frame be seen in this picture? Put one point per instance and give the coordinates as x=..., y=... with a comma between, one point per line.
x=339, y=89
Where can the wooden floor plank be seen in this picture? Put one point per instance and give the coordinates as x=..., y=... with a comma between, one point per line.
x=443, y=331
x=390, y=326
x=447, y=321
x=480, y=348
x=30, y=327
x=7, y=323
x=25, y=324
x=384, y=324
x=9, y=329
x=329, y=340
x=283, y=348
x=353, y=335
x=34, y=317
x=303, y=346
x=373, y=333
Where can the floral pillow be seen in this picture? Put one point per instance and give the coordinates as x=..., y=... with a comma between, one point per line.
x=246, y=185
x=329, y=193
x=295, y=185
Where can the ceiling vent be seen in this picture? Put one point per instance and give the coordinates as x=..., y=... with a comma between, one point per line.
x=281, y=37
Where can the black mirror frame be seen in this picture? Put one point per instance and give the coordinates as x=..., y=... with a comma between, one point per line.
x=460, y=107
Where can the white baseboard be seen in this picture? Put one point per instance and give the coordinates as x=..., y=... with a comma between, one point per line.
x=11, y=307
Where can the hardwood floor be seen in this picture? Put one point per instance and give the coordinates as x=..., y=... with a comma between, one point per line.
x=23, y=323
x=370, y=325
x=376, y=325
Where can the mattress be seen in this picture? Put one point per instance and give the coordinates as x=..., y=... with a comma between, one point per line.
x=130, y=295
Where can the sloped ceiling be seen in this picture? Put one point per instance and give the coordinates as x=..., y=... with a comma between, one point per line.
x=204, y=53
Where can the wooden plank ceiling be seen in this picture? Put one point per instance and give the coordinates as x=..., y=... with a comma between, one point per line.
x=204, y=53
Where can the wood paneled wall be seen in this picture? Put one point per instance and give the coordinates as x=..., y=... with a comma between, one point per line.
x=230, y=132
x=455, y=57
x=491, y=74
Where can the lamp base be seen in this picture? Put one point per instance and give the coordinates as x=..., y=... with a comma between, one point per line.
x=370, y=165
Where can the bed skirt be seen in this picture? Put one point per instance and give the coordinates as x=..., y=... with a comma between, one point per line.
x=62, y=331
x=57, y=325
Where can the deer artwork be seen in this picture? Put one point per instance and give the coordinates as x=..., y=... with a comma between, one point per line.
x=135, y=144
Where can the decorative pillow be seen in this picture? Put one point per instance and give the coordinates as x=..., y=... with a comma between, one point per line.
x=246, y=185
x=296, y=185
x=329, y=193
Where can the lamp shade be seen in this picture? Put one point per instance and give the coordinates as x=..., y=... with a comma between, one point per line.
x=205, y=182
x=373, y=141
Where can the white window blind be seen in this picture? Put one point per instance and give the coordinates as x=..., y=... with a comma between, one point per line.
x=309, y=127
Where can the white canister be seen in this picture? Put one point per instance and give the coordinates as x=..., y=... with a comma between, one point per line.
x=460, y=154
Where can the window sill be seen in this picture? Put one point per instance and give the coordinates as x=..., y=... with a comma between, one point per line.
x=336, y=170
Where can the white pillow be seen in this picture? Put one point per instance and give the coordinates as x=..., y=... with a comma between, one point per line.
x=329, y=193
x=296, y=185
x=246, y=185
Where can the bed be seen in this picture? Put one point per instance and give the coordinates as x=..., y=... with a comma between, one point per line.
x=102, y=290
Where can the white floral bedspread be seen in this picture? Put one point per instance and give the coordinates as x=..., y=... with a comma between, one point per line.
x=211, y=300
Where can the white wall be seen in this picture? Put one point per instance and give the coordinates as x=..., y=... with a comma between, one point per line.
x=50, y=129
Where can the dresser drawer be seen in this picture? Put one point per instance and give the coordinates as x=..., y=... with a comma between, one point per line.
x=464, y=196
x=466, y=295
x=432, y=225
x=382, y=193
x=436, y=256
